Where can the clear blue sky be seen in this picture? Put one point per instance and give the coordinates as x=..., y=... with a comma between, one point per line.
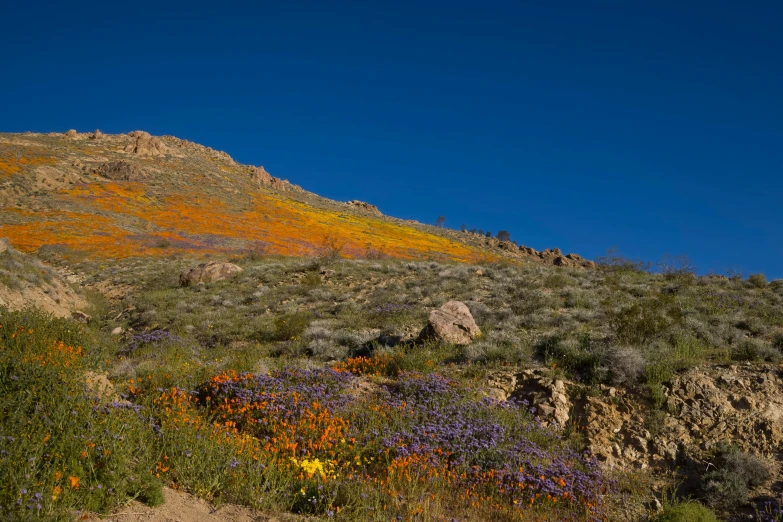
x=656, y=127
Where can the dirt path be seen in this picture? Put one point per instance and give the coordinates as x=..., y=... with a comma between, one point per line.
x=183, y=507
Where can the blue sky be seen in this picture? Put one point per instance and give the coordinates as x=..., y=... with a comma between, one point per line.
x=655, y=127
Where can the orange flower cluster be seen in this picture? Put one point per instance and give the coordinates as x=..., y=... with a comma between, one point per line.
x=275, y=421
x=57, y=354
x=378, y=365
x=12, y=161
x=117, y=220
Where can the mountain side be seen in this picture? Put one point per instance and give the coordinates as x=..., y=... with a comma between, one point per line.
x=114, y=196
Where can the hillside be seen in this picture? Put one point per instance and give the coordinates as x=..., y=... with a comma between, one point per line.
x=115, y=196
x=254, y=351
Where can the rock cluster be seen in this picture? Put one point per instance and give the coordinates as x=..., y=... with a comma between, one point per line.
x=547, y=397
x=121, y=171
x=71, y=134
x=555, y=257
x=364, y=207
x=208, y=273
x=261, y=177
x=96, y=135
x=145, y=144
x=550, y=256
x=451, y=323
x=742, y=404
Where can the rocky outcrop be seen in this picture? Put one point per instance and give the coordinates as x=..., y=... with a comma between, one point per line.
x=261, y=177
x=208, y=273
x=740, y=403
x=96, y=135
x=556, y=257
x=121, y=171
x=364, y=207
x=546, y=396
x=145, y=144
x=451, y=323
x=550, y=256
x=71, y=134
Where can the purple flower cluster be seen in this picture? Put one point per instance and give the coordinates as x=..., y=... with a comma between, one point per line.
x=436, y=417
x=772, y=511
x=431, y=418
x=453, y=429
x=287, y=393
x=151, y=337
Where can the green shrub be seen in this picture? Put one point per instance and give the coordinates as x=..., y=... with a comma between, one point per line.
x=686, y=512
x=579, y=358
x=757, y=280
x=311, y=280
x=290, y=327
x=752, y=350
x=734, y=473
x=777, y=342
x=643, y=321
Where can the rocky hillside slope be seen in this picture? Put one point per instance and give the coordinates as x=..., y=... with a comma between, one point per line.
x=26, y=282
x=115, y=196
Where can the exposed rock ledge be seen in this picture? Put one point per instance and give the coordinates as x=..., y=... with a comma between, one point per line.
x=740, y=403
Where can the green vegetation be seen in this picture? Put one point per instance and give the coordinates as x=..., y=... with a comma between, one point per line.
x=346, y=327
x=732, y=474
x=64, y=447
x=689, y=511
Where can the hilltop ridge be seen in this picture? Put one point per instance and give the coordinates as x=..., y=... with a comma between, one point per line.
x=120, y=195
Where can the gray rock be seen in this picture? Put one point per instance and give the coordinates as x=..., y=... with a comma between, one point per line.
x=451, y=323
x=208, y=273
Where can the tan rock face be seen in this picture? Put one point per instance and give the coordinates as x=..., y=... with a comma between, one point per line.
x=208, y=273
x=145, y=144
x=260, y=176
x=451, y=323
x=121, y=171
x=364, y=207
x=96, y=135
x=742, y=404
x=71, y=133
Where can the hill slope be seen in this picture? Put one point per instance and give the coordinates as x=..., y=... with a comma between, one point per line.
x=115, y=196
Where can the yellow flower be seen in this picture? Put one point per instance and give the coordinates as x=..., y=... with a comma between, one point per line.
x=311, y=467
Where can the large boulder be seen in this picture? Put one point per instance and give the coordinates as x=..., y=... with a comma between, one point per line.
x=451, y=323
x=145, y=144
x=208, y=273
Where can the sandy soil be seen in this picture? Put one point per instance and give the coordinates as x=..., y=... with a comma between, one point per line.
x=182, y=507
